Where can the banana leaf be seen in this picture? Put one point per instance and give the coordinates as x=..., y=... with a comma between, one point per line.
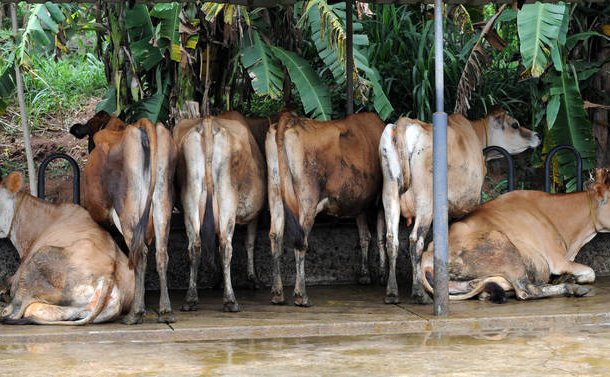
x=314, y=94
x=541, y=26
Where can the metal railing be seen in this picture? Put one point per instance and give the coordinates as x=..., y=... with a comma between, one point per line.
x=75, y=178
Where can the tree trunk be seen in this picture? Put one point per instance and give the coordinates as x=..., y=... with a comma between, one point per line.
x=24, y=119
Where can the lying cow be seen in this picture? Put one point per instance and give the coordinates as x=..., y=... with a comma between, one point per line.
x=519, y=240
x=71, y=272
x=128, y=182
x=221, y=174
x=406, y=158
x=316, y=167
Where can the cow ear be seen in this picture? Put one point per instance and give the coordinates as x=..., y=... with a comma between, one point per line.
x=14, y=182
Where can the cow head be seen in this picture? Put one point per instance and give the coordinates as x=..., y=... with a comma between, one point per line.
x=599, y=193
x=9, y=187
x=101, y=120
x=505, y=131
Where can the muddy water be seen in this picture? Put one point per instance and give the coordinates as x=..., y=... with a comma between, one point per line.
x=578, y=352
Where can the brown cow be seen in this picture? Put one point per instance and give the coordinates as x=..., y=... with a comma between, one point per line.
x=128, y=182
x=71, y=272
x=406, y=158
x=315, y=167
x=519, y=240
x=221, y=172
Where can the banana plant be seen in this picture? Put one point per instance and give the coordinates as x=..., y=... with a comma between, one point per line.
x=545, y=49
x=327, y=26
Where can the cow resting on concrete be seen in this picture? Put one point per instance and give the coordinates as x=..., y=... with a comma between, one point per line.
x=71, y=272
x=128, y=182
x=221, y=174
x=316, y=167
x=406, y=159
x=520, y=240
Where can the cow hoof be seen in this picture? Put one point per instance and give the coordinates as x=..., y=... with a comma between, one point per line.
x=189, y=306
x=392, y=299
x=168, y=317
x=421, y=298
x=364, y=280
x=253, y=283
x=302, y=301
x=133, y=319
x=277, y=298
x=578, y=290
x=231, y=307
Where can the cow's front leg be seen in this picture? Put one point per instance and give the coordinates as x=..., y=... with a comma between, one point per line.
x=365, y=238
x=138, y=309
x=250, y=242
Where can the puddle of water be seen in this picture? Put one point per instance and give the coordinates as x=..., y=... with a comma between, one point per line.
x=582, y=351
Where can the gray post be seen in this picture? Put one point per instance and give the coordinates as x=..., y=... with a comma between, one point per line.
x=441, y=277
x=24, y=118
x=349, y=58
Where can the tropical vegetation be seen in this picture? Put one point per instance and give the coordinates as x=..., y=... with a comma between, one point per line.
x=540, y=62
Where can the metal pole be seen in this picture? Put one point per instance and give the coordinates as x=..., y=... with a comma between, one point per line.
x=24, y=120
x=349, y=58
x=441, y=275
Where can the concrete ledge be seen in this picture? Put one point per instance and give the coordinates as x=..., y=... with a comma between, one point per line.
x=346, y=310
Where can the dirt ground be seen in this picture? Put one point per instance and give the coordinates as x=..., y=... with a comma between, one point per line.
x=52, y=138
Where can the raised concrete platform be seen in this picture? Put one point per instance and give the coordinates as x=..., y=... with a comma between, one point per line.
x=341, y=310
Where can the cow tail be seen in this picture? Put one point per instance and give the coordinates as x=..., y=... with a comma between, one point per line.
x=293, y=229
x=208, y=228
x=148, y=141
x=489, y=284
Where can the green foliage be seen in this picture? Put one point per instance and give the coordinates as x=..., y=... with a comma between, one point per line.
x=265, y=74
x=314, y=94
x=542, y=28
x=53, y=85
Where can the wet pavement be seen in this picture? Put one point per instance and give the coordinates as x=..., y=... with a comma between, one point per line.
x=348, y=331
x=571, y=352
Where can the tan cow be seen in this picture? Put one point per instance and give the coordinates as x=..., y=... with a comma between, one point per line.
x=128, y=182
x=519, y=240
x=71, y=272
x=406, y=159
x=316, y=167
x=221, y=174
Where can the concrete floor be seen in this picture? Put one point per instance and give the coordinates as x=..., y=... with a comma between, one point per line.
x=349, y=332
x=342, y=310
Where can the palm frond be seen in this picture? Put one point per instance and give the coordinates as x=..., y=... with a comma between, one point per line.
x=473, y=70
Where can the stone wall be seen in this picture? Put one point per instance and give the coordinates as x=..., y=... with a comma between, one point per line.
x=333, y=257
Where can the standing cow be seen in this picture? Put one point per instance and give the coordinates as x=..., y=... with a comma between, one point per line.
x=315, y=167
x=71, y=272
x=406, y=158
x=128, y=182
x=517, y=241
x=221, y=173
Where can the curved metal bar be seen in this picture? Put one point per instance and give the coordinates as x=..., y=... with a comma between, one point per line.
x=549, y=159
x=75, y=178
x=510, y=185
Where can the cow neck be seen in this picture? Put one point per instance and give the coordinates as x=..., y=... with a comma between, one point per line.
x=481, y=125
x=16, y=212
x=31, y=217
x=592, y=212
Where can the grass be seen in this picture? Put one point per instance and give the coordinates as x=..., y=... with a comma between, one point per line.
x=55, y=85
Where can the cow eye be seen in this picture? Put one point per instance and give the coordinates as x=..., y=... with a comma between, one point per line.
x=515, y=126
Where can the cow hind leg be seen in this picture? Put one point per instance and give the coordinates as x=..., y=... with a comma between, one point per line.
x=381, y=247
x=226, y=248
x=300, y=293
x=535, y=291
x=365, y=238
x=416, y=247
x=138, y=309
x=250, y=242
x=392, y=218
x=161, y=224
